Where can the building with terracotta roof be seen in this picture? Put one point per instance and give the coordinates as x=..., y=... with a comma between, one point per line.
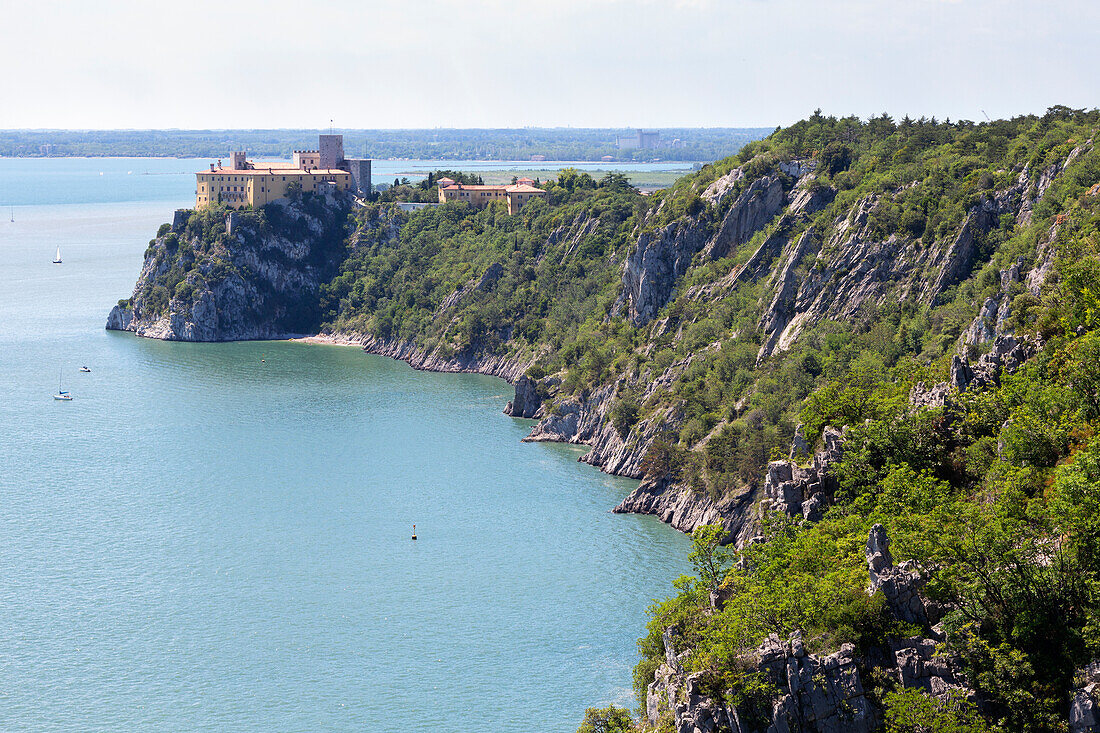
x=245, y=183
x=515, y=195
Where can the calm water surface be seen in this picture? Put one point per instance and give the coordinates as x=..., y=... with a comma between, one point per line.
x=216, y=536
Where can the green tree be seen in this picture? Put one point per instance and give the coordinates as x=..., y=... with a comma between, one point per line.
x=624, y=413
x=913, y=711
x=710, y=558
x=611, y=719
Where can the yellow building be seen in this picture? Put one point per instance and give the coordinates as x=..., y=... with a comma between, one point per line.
x=261, y=183
x=247, y=183
x=516, y=195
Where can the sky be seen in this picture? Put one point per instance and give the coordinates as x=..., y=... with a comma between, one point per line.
x=546, y=63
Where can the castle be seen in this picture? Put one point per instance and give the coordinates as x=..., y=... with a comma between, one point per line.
x=247, y=183
x=516, y=195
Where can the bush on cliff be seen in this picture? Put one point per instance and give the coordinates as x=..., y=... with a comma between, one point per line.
x=611, y=719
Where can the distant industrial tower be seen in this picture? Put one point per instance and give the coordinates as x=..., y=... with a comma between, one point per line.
x=644, y=139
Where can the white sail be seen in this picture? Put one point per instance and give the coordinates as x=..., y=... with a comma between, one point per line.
x=57, y=257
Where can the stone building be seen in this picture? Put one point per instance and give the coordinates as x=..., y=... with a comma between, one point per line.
x=515, y=195
x=245, y=183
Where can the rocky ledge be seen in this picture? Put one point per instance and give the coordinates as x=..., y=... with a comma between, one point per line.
x=232, y=276
x=819, y=693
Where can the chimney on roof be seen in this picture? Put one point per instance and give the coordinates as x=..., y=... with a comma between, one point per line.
x=211, y=167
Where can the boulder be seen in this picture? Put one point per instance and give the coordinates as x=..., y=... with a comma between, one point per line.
x=527, y=401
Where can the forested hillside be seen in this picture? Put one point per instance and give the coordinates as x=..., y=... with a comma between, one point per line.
x=836, y=257
x=831, y=275
x=852, y=342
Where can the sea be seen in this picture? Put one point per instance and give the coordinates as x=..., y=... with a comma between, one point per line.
x=217, y=537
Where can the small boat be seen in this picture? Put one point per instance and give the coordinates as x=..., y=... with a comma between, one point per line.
x=57, y=257
x=62, y=394
x=85, y=369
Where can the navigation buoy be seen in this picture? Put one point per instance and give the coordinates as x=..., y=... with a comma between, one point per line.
x=414, y=531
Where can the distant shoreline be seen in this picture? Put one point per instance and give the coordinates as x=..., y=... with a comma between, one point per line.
x=531, y=164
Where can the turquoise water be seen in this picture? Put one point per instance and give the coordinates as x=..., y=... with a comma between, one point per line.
x=216, y=536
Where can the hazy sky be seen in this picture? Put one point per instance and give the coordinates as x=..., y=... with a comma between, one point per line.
x=491, y=63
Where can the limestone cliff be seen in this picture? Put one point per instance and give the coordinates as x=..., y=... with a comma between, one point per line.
x=805, y=278
x=820, y=692
x=230, y=276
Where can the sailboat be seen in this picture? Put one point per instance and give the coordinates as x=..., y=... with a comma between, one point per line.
x=13, y=213
x=62, y=394
x=57, y=257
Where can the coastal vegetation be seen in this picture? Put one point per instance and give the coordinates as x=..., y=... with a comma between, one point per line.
x=998, y=490
x=839, y=278
x=559, y=295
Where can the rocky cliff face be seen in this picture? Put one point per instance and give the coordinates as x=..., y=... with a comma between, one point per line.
x=820, y=693
x=242, y=275
x=808, y=278
x=686, y=509
x=662, y=257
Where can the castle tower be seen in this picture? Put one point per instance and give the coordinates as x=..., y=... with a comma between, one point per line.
x=331, y=148
x=237, y=160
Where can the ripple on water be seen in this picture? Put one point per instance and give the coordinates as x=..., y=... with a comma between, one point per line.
x=203, y=540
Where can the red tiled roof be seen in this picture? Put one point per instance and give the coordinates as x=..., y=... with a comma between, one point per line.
x=513, y=188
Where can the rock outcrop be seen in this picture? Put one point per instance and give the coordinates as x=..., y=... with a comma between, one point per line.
x=821, y=693
x=247, y=277
x=685, y=509
x=508, y=367
x=856, y=266
x=660, y=258
x=804, y=491
x=1084, y=711
x=483, y=284
x=1007, y=354
x=900, y=585
x=528, y=400
x=814, y=694
x=657, y=263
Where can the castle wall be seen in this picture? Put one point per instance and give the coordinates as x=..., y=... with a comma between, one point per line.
x=360, y=175
x=244, y=183
x=331, y=149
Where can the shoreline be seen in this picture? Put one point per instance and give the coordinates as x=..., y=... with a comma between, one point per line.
x=327, y=339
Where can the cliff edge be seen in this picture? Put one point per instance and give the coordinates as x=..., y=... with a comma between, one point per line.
x=237, y=275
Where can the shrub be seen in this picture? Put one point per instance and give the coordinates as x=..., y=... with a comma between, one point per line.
x=624, y=413
x=611, y=719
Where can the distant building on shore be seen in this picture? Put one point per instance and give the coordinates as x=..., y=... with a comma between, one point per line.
x=644, y=139
x=515, y=195
x=255, y=183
